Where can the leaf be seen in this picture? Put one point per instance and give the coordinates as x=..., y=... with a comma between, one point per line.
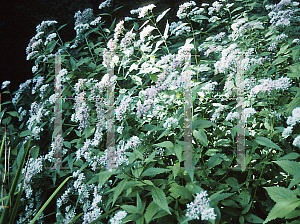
x=160, y=199
x=214, y=160
x=253, y=218
x=154, y=171
x=153, y=77
x=89, y=131
x=166, y=31
x=279, y=194
x=279, y=60
x=177, y=191
x=288, y=166
x=13, y=113
x=179, y=27
x=178, y=151
x=216, y=197
x=166, y=144
x=25, y=133
x=73, y=64
x=104, y=176
x=150, y=211
x=267, y=142
x=295, y=180
x=292, y=155
x=162, y=15
x=201, y=136
x=118, y=190
x=130, y=208
x=283, y=208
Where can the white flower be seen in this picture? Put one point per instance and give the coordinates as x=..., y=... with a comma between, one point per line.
x=142, y=11
x=200, y=206
x=296, y=141
x=117, y=219
x=5, y=84
x=287, y=132
x=168, y=123
x=231, y=116
x=248, y=112
x=120, y=129
x=95, y=21
x=296, y=40
x=104, y=4
x=50, y=38
x=181, y=13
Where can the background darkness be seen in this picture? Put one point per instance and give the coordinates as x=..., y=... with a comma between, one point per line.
x=18, y=21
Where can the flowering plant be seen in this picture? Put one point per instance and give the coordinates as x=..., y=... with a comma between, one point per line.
x=156, y=74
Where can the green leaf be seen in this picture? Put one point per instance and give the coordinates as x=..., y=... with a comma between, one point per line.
x=253, y=218
x=153, y=77
x=279, y=60
x=160, y=199
x=130, y=209
x=177, y=191
x=279, y=194
x=178, y=151
x=13, y=113
x=25, y=133
x=154, y=171
x=118, y=190
x=214, y=160
x=162, y=15
x=166, y=144
x=150, y=211
x=201, y=136
x=104, y=176
x=292, y=155
x=49, y=200
x=89, y=131
x=295, y=180
x=267, y=142
x=288, y=166
x=283, y=208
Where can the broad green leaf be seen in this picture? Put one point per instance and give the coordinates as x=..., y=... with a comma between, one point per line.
x=150, y=211
x=201, y=123
x=89, y=131
x=154, y=171
x=201, y=136
x=218, y=196
x=283, y=208
x=162, y=15
x=160, y=199
x=288, y=166
x=279, y=194
x=25, y=133
x=267, y=142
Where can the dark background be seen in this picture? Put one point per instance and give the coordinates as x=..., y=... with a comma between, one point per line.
x=18, y=21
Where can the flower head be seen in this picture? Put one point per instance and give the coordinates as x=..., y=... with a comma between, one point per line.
x=5, y=84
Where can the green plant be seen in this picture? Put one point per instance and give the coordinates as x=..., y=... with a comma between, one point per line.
x=215, y=45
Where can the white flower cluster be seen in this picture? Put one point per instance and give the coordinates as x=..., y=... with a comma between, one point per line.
x=282, y=83
x=181, y=13
x=232, y=115
x=120, y=110
x=179, y=28
x=50, y=38
x=200, y=206
x=41, y=27
x=5, y=84
x=216, y=7
x=142, y=11
x=168, y=123
x=216, y=114
x=39, y=81
x=292, y=121
x=117, y=219
x=105, y=4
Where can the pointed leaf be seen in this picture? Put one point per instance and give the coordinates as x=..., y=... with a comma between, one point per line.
x=160, y=199
x=150, y=211
x=288, y=166
x=279, y=194
x=162, y=15
x=267, y=142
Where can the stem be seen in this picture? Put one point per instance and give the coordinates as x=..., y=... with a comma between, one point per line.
x=90, y=49
x=159, y=33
